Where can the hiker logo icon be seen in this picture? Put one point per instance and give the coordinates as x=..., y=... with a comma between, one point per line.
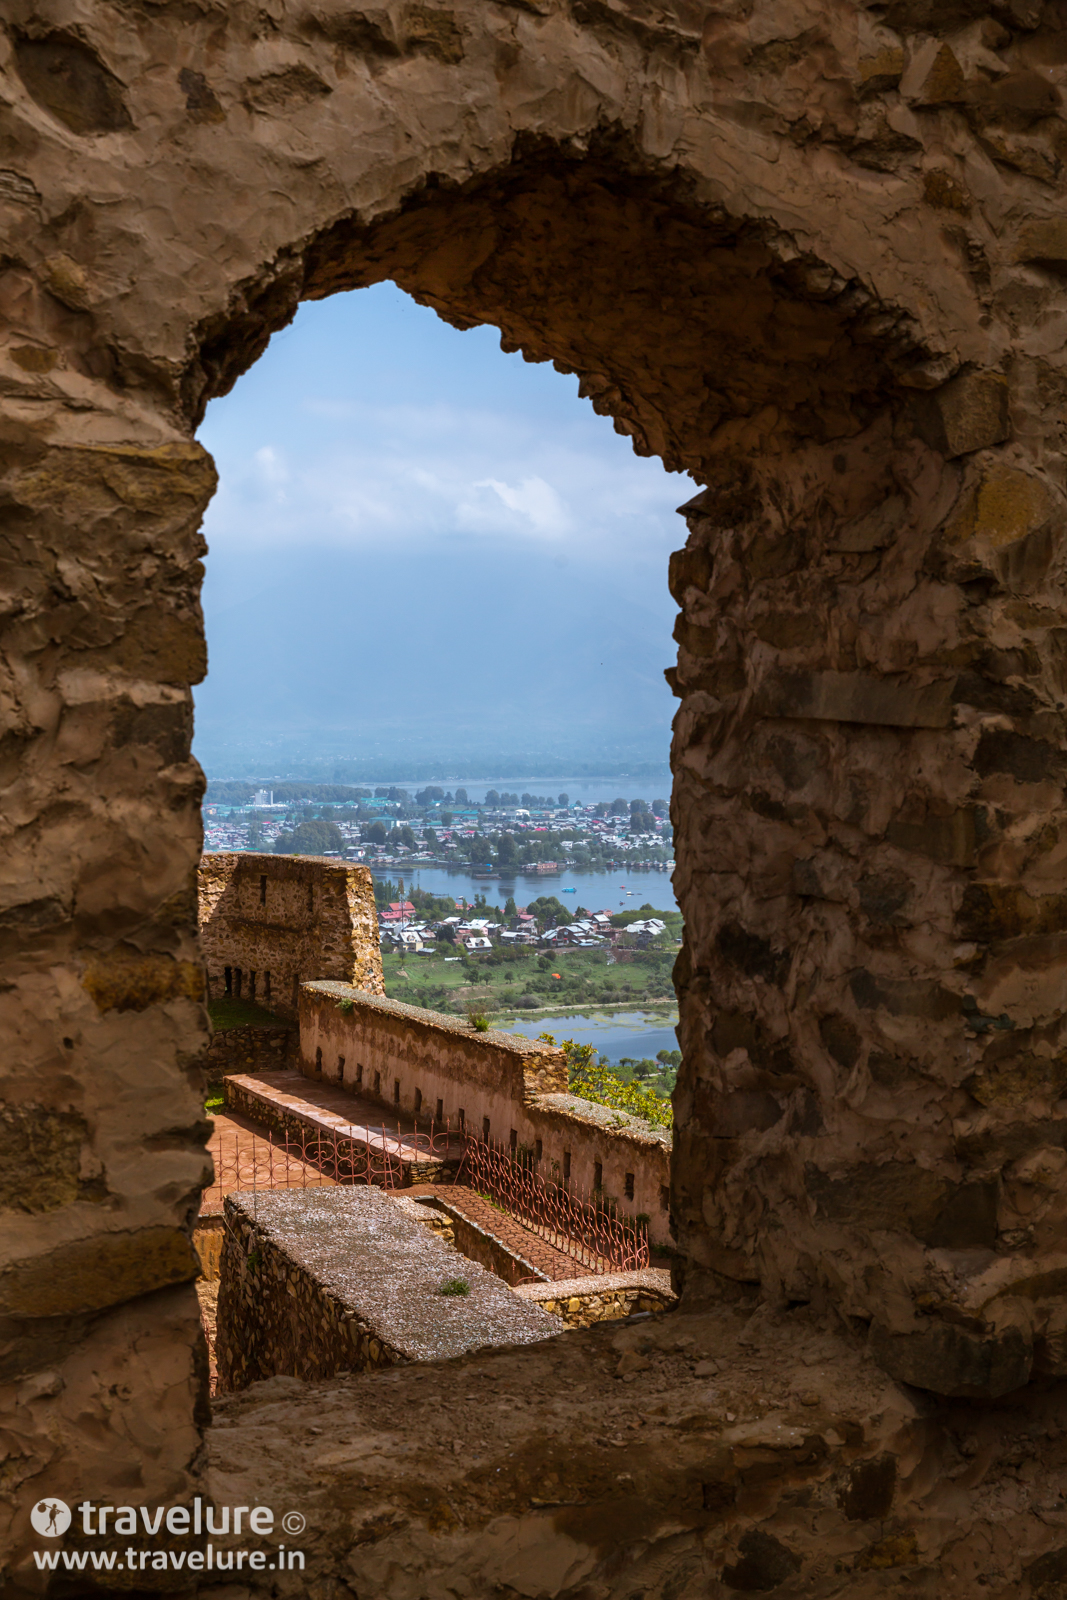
x=51, y=1518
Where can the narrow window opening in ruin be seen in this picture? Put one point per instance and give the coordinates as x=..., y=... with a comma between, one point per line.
x=566, y=1166
x=485, y=1129
x=340, y=1069
x=664, y=1197
x=263, y=890
x=513, y=1141
x=440, y=1111
x=238, y=977
x=396, y=1091
x=418, y=1101
x=318, y=1062
x=359, y=1074
x=598, y=1174
x=538, y=1149
x=462, y=1120
x=377, y=1083
x=252, y=987
x=266, y=988
x=227, y=977
x=628, y=1186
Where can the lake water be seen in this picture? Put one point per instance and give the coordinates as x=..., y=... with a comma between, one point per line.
x=623, y=1033
x=595, y=890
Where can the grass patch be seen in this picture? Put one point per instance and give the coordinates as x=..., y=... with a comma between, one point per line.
x=215, y=1100
x=229, y=1012
x=497, y=983
x=455, y=1286
x=477, y=1019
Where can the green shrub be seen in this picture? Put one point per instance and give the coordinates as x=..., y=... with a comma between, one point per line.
x=478, y=1020
x=455, y=1286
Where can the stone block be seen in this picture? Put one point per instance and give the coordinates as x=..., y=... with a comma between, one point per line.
x=40, y=1159
x=856, y=697
x=868, y=1494
x=92, y=1274
x=874, y=530
x=1043, y=239
x=968, y=413
x=124, y=981
x=951, y=1360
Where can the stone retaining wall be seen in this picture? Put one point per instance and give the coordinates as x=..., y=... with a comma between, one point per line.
x=275, y=1317
x=319, y=1281
x=248, y=1050
x=579, y=1302
x=478, y=1244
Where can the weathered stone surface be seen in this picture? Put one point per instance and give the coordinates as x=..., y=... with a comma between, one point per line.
x=774, y=263
x=856, y=697
x=969, y=413
x=269, y=923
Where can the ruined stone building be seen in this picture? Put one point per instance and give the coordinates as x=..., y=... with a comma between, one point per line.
x=269, y=923
x=811, y=252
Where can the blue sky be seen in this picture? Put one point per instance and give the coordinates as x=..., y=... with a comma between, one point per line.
x=422, y=545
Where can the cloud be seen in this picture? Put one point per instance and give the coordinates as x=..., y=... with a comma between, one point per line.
x=535, y=506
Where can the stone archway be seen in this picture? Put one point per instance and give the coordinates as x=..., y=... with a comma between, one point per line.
x=814, y=263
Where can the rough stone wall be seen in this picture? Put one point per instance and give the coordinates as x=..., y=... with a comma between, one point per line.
x=248, y=1050
x=810, y=250
x=579, y=1307
x=274, y=1316
x=378, y=1041
x=324, y=1280
x=276, y=921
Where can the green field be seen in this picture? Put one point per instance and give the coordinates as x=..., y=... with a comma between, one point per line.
x=232, y=1013
x=524, y=982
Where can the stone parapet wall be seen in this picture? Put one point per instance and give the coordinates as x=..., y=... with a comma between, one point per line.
x=418, y=1058
x=579, y=1302
x=253, y=1049
x=326, y=1136
x=480, y=1245
x=272, y=922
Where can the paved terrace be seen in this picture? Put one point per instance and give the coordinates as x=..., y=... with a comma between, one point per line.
x=247, y=1155
x=310, y=1112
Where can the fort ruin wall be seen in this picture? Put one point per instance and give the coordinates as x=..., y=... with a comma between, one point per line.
x=498, y=1085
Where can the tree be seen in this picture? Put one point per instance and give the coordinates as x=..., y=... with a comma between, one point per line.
x=620, y=808
x=375, y=834
x=548, y=910
x=507, y=851
x=564, y=799
x=492, y=798
x=313, y=838
x=430, y=837
x=660, y=808
x=405, y=835
x=509, y=908
x=461, y=797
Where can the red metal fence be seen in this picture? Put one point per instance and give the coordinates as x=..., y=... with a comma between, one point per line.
x=585, y=1227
